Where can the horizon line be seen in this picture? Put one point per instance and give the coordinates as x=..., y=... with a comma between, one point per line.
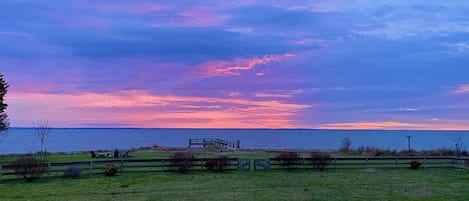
x=350, y=129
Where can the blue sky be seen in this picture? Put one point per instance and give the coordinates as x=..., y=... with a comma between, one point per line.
x=337, y=64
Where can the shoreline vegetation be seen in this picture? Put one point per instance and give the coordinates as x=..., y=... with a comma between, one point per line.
x=155, y=152
x=360, y=151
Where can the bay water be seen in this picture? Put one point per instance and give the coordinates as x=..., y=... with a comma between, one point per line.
x=24, y=140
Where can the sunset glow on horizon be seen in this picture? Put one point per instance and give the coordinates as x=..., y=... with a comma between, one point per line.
x=326, y=64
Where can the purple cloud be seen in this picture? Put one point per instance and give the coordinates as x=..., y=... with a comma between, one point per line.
x=323, y=64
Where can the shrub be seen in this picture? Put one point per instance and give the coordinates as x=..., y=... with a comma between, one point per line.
x=218, y=164
x=110, y=169
x=408, y=152
x=374, y=151
x=361, y=150
x=72, y=172
x=29, y=168
x=414, y=165
x=288, y=159
x=320, y=160
x=439, y=152
x=182, y=161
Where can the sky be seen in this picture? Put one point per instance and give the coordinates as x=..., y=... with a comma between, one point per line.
x=330, y=64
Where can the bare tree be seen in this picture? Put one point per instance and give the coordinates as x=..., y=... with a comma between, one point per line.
x=346, y=145
x=459, y=145
x=42, y=130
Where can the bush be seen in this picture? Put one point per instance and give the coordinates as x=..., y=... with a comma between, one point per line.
x=414, y=165
x=110, y=169
x=288, y=159
x=29, y=168
x=72, y=172
x=374, y=151
x=218, y=164
x=408, y=152
x=182, y=161
x=439, y=152
x=360, y=150
x=320, y=160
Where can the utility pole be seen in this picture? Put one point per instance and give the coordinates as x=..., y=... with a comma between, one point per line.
x=408, y=141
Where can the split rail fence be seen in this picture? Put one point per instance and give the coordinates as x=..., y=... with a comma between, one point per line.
x=164, y=165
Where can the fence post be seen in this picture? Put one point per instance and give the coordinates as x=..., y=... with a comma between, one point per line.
x=335, y=162
x=122, y=165
x=162, y=165
x=48, y=168
x=397, y=162
x=242, y=163
x=424, y=162
x=304, y=164
x=366, y=162
x=267, y=164
x=1, y=172
x=91, y=168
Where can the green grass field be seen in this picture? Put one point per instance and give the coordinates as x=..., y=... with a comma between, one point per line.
x=365, y=184
x=331, y=184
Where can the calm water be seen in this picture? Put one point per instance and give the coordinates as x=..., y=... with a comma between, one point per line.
x=22, y=140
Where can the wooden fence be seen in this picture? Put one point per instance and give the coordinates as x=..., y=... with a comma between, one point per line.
x=129, y=165
x=364, y=162
x=164, y=165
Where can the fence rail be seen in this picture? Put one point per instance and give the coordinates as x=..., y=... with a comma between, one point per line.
x=164, y=165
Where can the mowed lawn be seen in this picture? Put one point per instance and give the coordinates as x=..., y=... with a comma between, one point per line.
x=341, y=184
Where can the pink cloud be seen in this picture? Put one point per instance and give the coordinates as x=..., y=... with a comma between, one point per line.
x=31, y=88
x=279, y=93
x=77, y=75
x=409, y=109
x=391, y=125
x=237, y=66
x=367, y=125
x=203, y=16
x=234, y=94
x=462, y=89
x=142, y=109
x=260, y=74
x=104, y=21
